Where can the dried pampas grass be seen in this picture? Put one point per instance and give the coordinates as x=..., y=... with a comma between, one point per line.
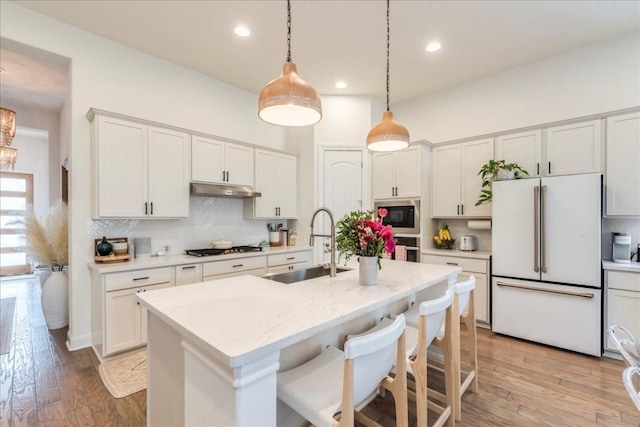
x=48, y=239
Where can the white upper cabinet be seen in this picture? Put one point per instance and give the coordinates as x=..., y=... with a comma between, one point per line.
x=276, y=181
x=456, y=183
x=221, y=162
x=623, y=165
x=140, y=171
x=523, y=148
x=397, y=174
x=572, y=149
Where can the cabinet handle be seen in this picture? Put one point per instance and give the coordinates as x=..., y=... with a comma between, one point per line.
x=189, y=268
x=146, y=212
x=223, y=177
x=452, y=263
x=549, y=168
x=227, y=176
x=457, y=209
x=291, y=267
x=238, y=265
x=151, y=208
x=291, y=258
x=461, y=209
x=538, y=168
x=140, y=278
x=396, y=191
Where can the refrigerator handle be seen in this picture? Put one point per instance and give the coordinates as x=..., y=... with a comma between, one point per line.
x=543, y=262
x=536, y=212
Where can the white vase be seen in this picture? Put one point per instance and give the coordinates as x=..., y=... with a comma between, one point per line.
x=368, y=270
x=503, y=175
x=55, y=300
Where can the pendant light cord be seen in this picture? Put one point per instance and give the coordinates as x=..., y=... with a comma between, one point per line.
x=288, y=31
x=387, y=55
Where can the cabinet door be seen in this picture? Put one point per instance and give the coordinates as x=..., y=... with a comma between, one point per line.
x=122, y=318
x=168, y=173
x=121, y=165
x=238, y=161
x=623, y=308
x=573, y=149
x=382, y=181
x=286, y=186
x=480, y=295
x=474, y=155
x=445, y=200
x=524, y=148
x=265, y=206
x=207, y=160
x=623, y=158
x=143, y=311
x=188, y=274
x=408, y=172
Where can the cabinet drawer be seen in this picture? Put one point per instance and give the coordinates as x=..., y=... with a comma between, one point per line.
x=467, y=264
x=233, y=265
x=138, y=278
x=625, y=280
x=289, y=258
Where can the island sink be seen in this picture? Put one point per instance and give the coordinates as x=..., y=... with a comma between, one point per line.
x=305, y=274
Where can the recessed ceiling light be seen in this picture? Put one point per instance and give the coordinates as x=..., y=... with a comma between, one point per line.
x=242, y=31
x=341, y=85
x=433, y=46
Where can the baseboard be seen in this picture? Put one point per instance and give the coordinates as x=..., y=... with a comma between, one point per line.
x=78, y=342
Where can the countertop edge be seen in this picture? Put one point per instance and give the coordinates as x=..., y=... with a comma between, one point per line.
x=633, y=267
x=457, y=253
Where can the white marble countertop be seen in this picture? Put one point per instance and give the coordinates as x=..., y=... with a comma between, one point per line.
x=173, y=260
x=610, y=265
x=457, y=253
x=247, y=317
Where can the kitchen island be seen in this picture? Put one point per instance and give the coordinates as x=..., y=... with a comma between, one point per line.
x=214, y=348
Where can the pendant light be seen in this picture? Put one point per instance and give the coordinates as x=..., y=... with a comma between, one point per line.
x=8, y=155
x=388, y=135
x=289, y=100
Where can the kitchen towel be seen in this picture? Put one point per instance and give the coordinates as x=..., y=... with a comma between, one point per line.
x=401, y=253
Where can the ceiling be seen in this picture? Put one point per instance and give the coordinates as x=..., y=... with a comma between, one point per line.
x=341, y=40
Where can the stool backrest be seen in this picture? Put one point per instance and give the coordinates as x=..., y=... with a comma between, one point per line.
x=373, y=357
x=631, y=380
x=463, y=290
x=434, y=310
x=626, y=344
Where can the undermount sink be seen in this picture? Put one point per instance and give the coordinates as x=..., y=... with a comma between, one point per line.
x=305, y=274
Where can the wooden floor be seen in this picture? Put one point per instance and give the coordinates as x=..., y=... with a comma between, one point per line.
x=521, y=384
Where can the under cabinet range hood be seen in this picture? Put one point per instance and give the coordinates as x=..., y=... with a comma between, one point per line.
x=215, y=190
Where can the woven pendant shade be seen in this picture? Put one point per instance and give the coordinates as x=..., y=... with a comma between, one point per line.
x=289, y=100
x=7, y=126
x=388, y=135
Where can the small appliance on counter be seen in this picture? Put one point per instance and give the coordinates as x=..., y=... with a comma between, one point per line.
x=468, y=243
x=143, y=247
x=621, y=251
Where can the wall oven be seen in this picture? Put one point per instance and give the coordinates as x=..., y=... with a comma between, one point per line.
x=402, y=215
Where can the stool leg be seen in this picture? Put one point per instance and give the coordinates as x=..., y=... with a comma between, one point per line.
x=419, y=368
x=455, y=357
x=470, y=323
x=446, y=344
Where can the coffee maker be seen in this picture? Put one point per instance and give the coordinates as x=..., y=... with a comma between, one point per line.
x=621, y=248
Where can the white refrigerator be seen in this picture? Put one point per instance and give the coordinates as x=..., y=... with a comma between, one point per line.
x=546, y=262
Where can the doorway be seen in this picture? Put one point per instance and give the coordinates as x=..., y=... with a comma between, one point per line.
x=16, y=199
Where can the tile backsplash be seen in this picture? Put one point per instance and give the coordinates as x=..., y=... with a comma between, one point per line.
x=459, y=227
x=631, y=226
x=210, y=219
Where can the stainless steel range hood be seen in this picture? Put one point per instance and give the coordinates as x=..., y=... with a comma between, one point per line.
x=215, y=190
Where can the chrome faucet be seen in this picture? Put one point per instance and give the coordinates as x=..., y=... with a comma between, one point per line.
x=332, y=273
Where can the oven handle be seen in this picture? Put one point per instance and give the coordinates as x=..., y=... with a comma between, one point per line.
x=551, y=291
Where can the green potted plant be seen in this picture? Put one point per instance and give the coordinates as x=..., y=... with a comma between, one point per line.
x=497, y=170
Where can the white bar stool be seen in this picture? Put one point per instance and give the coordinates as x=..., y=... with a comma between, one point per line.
x=345, y=382
x=631, y=380
x=463, y=303
x=626, y=344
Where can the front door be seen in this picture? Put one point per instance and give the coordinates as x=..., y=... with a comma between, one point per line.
x=16, y=199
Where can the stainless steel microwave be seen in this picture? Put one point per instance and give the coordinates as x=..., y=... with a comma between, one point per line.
x=402, y=215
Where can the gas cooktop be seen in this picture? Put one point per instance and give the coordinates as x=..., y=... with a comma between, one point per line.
x=232, y=250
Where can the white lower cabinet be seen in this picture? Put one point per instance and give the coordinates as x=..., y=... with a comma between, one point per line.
x=281, y=263
x=256, y=266
x=623, y=303
x=188, y=274
x=470, y=267
x=119, y=323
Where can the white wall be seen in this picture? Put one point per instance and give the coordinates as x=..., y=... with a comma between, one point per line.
x=594, y=79
x=112, y=77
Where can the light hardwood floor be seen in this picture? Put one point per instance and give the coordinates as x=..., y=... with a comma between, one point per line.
x=521, y=384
